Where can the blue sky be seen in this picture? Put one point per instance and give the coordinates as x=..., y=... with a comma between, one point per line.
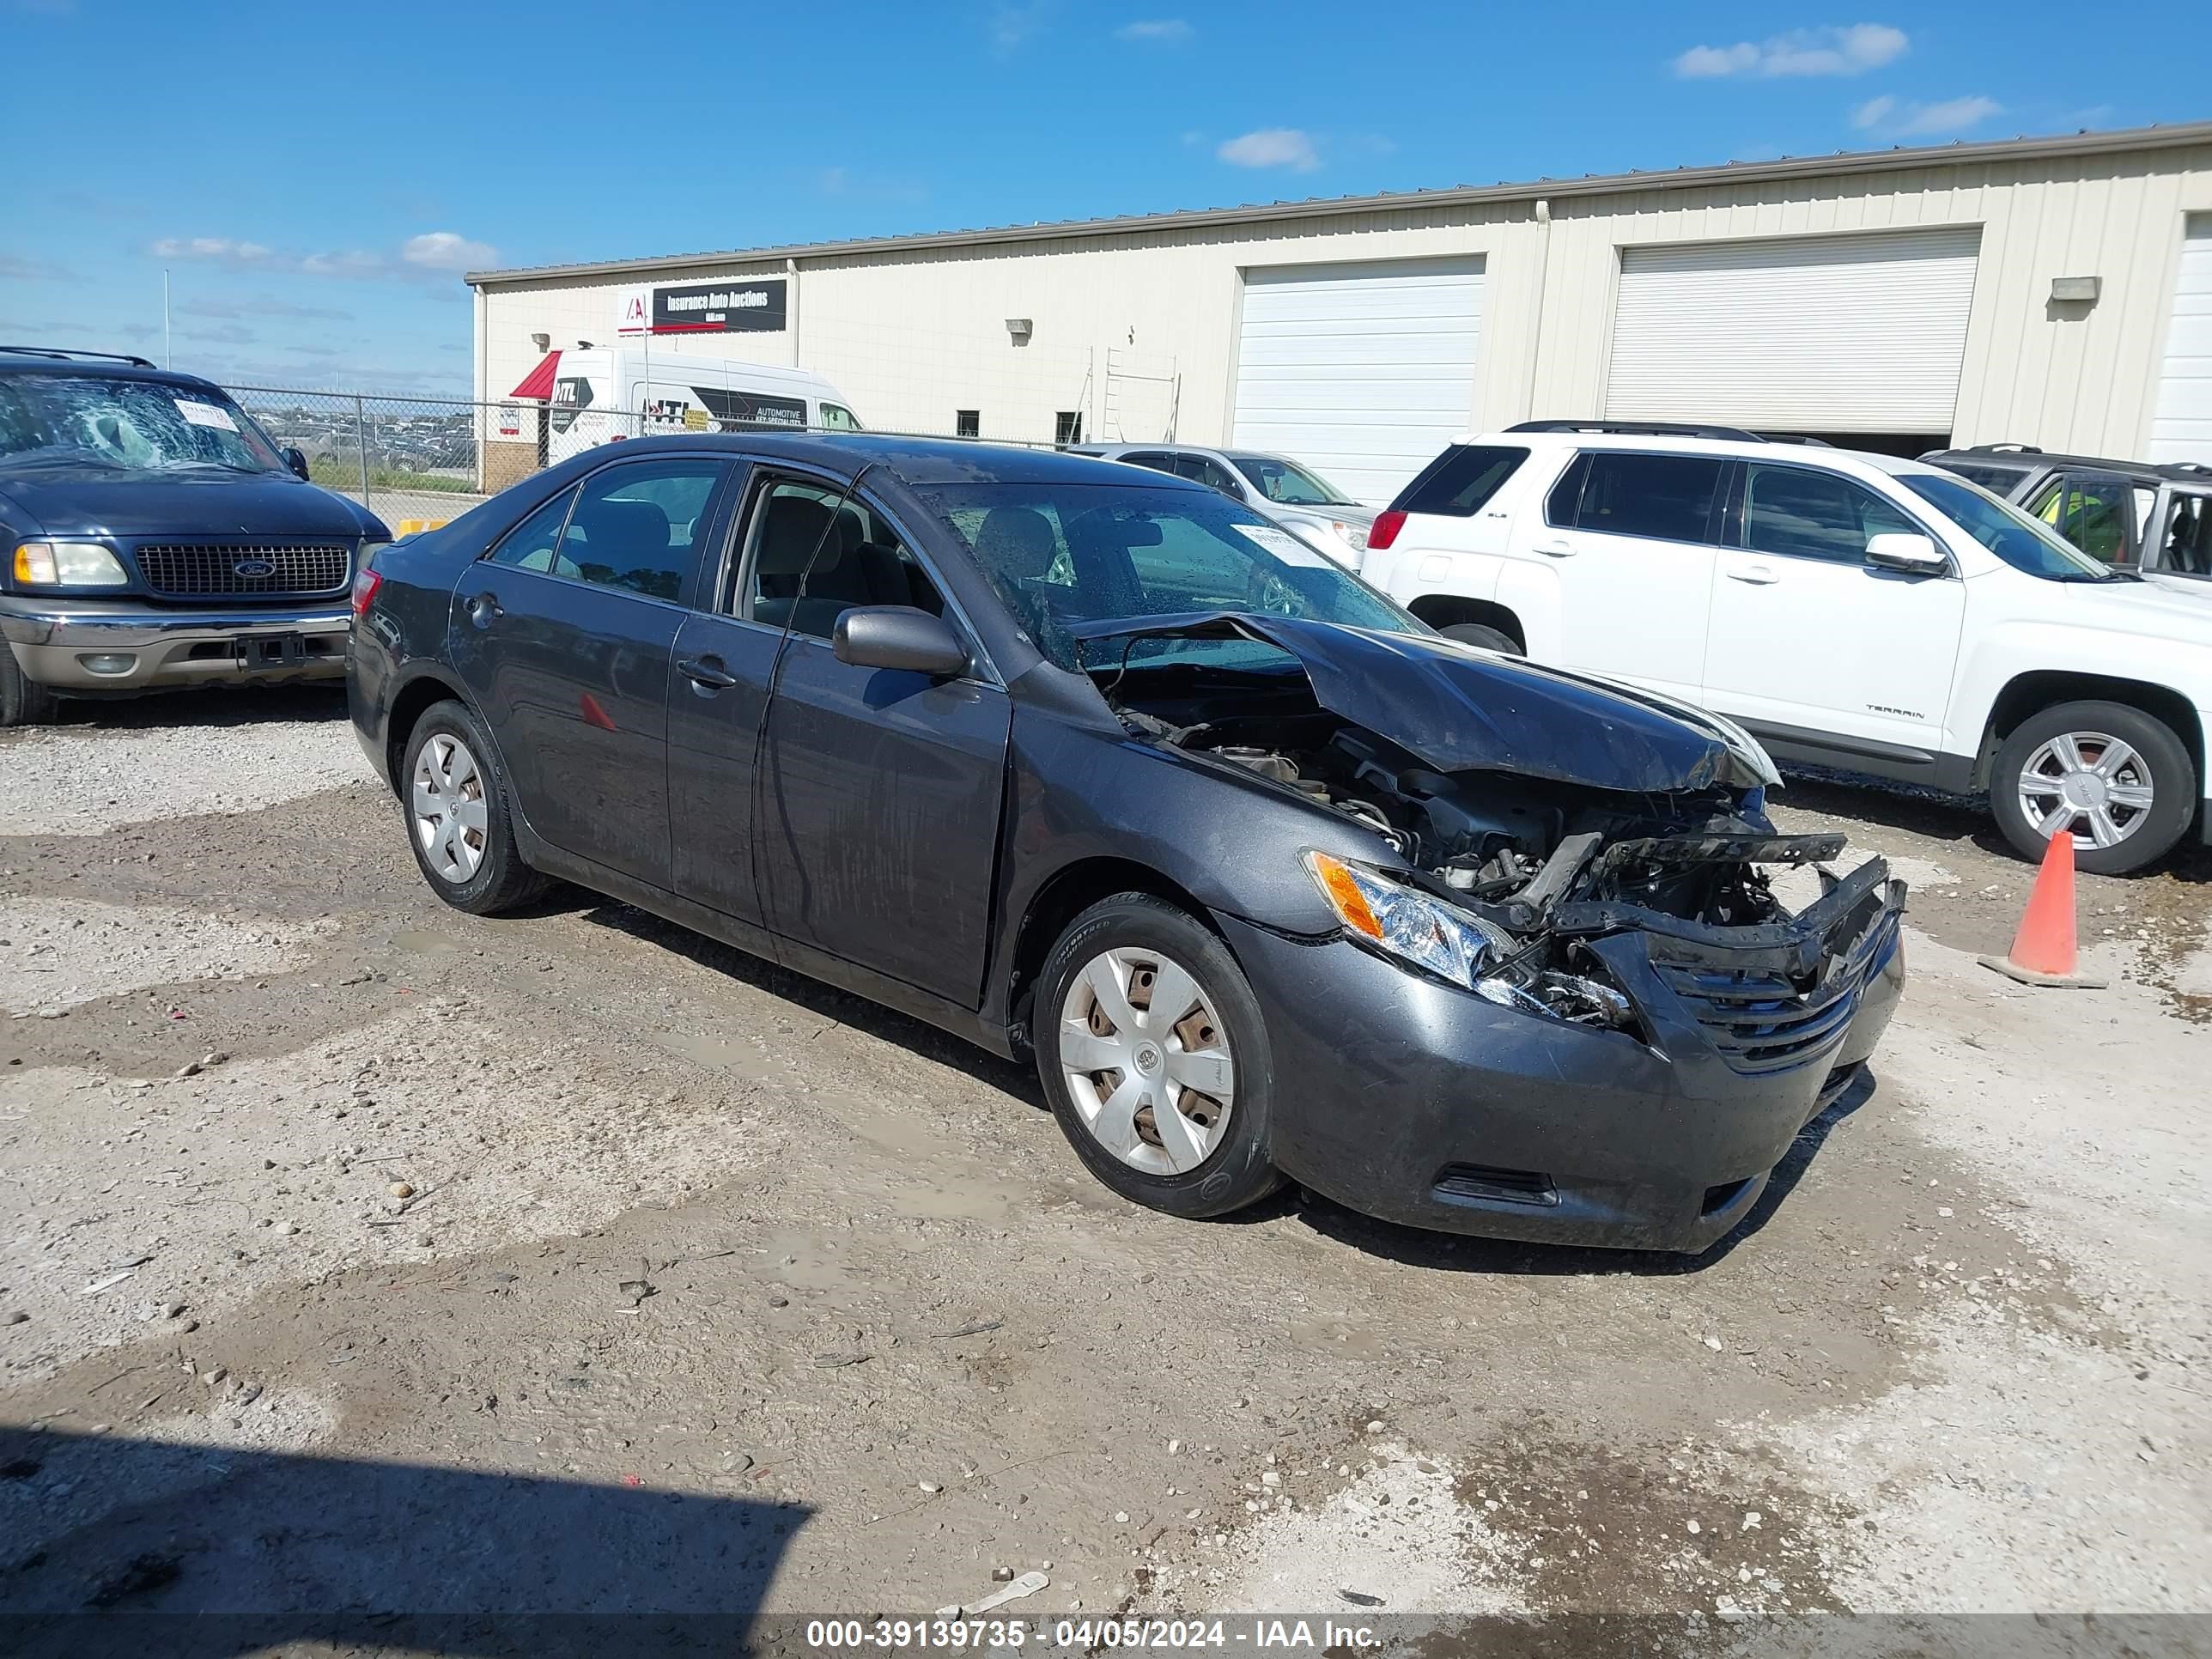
x=316, y=178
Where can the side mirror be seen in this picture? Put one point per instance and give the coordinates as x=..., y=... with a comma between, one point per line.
x=899, y=636
x=1908, y=554
x=295, y=462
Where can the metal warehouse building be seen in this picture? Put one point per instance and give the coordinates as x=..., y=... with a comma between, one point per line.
x=2050, y=291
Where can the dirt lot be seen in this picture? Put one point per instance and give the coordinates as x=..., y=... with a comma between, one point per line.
x=362, y=1255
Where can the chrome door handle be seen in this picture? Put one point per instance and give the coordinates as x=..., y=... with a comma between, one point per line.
x=1758, y=575
x=707, y=673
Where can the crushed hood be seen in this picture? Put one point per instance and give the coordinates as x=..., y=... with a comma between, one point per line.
x=1459, y=709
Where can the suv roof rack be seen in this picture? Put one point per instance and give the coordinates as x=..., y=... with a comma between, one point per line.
x=1996, y=449
x=61, y=353
x=1667, y=429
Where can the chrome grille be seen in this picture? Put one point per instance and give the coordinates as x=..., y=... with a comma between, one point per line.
x=238, y=568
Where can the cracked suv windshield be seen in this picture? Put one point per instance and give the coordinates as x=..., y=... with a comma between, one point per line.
x=132, y=425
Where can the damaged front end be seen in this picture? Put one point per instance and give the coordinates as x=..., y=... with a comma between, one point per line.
x=1551, y=844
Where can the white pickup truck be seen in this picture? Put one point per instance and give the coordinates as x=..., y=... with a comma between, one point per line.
x=1854, y=611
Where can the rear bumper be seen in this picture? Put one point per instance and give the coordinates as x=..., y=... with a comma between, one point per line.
x=119, y=646
x=1413, y=1101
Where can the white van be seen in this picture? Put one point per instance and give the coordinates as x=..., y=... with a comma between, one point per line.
x=605, y=392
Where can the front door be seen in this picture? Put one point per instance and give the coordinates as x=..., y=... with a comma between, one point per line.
x=1807, y=637
x=876, y=810
x=563, y=635
x=1628, y=535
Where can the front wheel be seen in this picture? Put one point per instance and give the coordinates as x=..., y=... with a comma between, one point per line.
x=23, y=701
x=2119, y=778
x=458, y=821
x=1152, y=1052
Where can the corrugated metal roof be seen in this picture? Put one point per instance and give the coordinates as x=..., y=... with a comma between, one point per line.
x=1843, y=162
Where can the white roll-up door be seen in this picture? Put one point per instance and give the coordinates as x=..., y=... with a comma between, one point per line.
x=1857, y=333
x=2181, y=430
x=1363, y=372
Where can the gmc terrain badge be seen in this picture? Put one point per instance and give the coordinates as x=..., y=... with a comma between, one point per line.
x=254, y=567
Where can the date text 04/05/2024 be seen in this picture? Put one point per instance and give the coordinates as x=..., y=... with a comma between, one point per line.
x=985, y=1635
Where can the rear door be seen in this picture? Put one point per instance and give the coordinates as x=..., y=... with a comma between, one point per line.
x=563, y=635
x=1807, y=638
x=1629, y=535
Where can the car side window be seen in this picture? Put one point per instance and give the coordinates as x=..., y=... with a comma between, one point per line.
x=534, y=543
x=2186, y=544
x=810, y=556
x=1564, y=504
x=1667, y=498
x=1152, y=458
x=2091, y=513
x=1802, y=513
x=1200, y=470
x=633, y=526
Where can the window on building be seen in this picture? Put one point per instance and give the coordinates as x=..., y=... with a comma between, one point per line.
x=1664, y=498
x=967, y=422
x=1067, y=427
x=1804, y=513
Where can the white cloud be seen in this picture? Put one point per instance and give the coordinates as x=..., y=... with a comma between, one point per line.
x=1888, y=115
x=1157, y=31
x=1272, y=147
x=1850, y=49
x=445, y=250
x=434, y=254
x=33, y=271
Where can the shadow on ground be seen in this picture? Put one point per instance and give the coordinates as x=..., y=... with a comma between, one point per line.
x=209, y=708
x=111, y=1541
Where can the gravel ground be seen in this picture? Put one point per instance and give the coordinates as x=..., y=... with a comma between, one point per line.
x=713, y=1288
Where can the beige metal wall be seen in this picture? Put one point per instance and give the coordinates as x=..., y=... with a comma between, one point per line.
x=913, y=335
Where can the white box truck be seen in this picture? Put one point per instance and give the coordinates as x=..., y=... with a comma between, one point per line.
x=603, y=392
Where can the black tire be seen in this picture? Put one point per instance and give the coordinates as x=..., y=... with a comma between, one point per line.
x=2173, y=776
x=500, y=880
x=1489, y=639
x=23, y=701
x=1236, y=1172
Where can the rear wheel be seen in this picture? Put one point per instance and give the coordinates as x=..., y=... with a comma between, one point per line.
x=23, y=701
x=1151, y=1050
x=2121, y=780
x=459, y=822
x=1489, y=639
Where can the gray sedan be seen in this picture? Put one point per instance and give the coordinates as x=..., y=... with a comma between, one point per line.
x=1294, y=496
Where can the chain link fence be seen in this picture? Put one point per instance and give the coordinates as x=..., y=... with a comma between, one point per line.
x=415, y=462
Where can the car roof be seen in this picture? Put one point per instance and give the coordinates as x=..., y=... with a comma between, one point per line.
x=920, y=462
x=98, y=365
x=2027, y=460
x=1686, y=440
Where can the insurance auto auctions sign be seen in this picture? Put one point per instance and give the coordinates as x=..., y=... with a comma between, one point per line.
x=736, y=307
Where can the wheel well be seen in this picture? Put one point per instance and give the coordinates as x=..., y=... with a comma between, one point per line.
x=2031, y=693
x=415, y=697
x=1446, y=610
x=1067, y=895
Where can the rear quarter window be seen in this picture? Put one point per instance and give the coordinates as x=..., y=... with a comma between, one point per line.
x=1457, y=483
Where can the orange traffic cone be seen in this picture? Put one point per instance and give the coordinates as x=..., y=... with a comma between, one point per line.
x=2043, y=950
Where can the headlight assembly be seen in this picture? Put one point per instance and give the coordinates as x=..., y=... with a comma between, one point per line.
x=1383, y=912
x=68, y=564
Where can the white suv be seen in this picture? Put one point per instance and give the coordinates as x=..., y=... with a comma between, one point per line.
x=1855, y=611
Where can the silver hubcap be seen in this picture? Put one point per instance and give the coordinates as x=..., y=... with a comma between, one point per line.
x=447, y=803
x=1147, y=1061
x=2089, y=783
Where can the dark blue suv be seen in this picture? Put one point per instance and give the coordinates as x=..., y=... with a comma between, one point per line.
x=152, y=536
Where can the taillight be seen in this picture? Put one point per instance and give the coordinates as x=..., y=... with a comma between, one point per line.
x=365, y=584
x=1384, y=530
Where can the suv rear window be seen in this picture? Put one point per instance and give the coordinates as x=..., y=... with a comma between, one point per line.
x=1459, y=480
x=2001, y=479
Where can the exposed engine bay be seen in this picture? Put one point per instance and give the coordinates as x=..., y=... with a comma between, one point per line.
x=1539, y=867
